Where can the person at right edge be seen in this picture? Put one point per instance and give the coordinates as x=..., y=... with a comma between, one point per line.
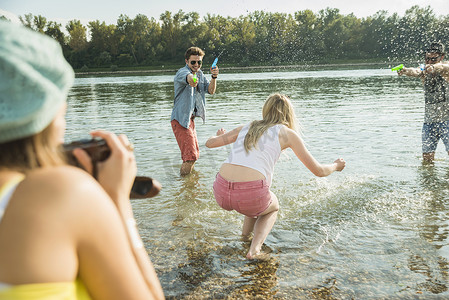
x=63, y=234
x=435, y=77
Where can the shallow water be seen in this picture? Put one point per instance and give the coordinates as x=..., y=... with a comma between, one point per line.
x=379, y=229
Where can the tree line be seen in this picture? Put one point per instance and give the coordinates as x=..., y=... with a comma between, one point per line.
x=258, y=38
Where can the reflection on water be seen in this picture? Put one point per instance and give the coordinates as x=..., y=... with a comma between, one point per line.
x=433, y=264
x=378, y=230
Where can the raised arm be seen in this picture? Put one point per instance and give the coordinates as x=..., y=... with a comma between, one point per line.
x=223, y=138
x=126, y=253
x=213, y=82
x=290, y=139
x=112, y=264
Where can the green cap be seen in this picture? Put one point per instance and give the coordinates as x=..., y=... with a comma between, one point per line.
x=34, y=81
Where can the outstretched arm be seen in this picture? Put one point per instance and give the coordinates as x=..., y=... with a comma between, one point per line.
x=412, y=72
x=223, y=138
x=290, y=139
x=439, y=68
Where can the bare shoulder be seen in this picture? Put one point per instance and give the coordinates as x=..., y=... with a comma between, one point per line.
x=58, y=178
x=445, y=70
x=286, y=135
x=62, y=203
x=237, y=129
x=62, y=184
x=284, y=131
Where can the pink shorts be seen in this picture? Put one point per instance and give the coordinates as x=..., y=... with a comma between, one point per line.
x=250, y=198
x=187, y=140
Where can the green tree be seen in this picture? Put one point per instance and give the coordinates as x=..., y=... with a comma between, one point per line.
x=77, y=44
x=191, y=30
x=259, y=37
x=310, y=41
x=391, y=38
x=283, y=39
x=40, y=23
x=140, y=37
x=127, y=37
x=37, y=23
x=216, y=29
x=78, y=38
x=419, y=28
x=102, y=37
x=352, y=37
x=148, y=36
x=442, y=30
x=374, y=40
x=27, y=20
x=54, y=30
x=333, y=31
x=218, y=36
x=244, y=38
x=171, y=31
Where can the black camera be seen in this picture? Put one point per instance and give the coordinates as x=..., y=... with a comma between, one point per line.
x=98, y=150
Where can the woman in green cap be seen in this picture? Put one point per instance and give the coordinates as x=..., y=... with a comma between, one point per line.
x=63, y=235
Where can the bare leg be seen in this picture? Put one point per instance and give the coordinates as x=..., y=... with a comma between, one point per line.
x=428, y=157
x=187, y=167
x=262, y=227
x=248, y=227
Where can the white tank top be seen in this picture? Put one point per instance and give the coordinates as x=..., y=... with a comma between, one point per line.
x=263, y=157
x=6, y=192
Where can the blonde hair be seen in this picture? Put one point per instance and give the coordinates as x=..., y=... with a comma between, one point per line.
x=277, y=109
x=31, y=152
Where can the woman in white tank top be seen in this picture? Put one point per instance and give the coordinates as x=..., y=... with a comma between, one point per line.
x=244, y=179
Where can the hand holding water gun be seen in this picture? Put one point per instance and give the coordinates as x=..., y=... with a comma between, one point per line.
x=397, y=68
x=214, y=69
x=214, y=64
x=193, y=79
x=414, y=72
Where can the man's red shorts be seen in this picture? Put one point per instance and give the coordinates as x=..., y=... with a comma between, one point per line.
x=187, y=140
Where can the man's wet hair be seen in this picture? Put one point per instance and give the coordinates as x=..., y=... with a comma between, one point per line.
x=435, y=47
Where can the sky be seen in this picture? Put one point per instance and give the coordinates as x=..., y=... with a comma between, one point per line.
x=109, y=10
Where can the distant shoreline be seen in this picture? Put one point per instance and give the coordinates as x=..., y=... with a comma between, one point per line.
x=170, y=70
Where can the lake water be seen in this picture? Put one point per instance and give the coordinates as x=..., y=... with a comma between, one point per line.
x=379, y=229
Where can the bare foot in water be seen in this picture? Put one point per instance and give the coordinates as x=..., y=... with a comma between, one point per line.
x=259, y=255
x=247, y=238
x=186, y=167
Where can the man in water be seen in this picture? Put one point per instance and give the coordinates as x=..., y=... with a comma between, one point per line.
x=191, y=86
x=435, y=77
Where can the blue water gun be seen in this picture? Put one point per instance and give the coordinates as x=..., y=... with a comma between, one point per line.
x=214, y=64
